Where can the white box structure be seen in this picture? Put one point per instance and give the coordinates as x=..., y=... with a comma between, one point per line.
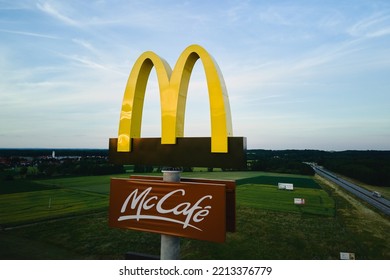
x=285, y=186
x=299, y=201
x=347, y=256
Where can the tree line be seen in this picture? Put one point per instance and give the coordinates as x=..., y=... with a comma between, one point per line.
x=371, y=167
x=276, y=161
x=18, y=168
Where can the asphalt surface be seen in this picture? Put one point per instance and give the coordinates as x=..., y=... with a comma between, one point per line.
x=380, y=203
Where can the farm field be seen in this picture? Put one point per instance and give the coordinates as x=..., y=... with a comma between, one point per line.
x=269, y=225
x=52, y=198
x=268, y=197
x=40, y=205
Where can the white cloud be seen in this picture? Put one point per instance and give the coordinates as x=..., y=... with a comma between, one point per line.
x=376, y=25
x=49, y=9
x=31, y=34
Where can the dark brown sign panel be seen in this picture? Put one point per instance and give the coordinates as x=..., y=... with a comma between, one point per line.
x=187, y=152
x=185, y=209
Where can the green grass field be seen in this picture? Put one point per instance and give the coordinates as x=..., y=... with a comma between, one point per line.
x=97, y=184
x=267, y=197
x=53, y=198
x=269, y=225
x=30, y=207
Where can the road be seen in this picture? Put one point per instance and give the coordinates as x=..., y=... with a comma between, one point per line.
x=380, y=203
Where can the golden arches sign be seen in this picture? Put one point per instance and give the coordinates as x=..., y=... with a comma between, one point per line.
x=173, y=149
x=173, y=87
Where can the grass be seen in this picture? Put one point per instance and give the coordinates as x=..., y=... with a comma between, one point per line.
x=19, y=186
x=22, y=247
x=301, y=182
x=239, y=175
x=24, y=201
x=269, y=225
x=98, y=184
x=40, y=205
x=269, y=197
x=261, y=234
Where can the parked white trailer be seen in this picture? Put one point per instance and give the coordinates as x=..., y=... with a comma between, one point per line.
x=285, y=186
x=299, y=201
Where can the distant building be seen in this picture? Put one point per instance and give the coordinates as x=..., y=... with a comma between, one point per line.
x=53, y=154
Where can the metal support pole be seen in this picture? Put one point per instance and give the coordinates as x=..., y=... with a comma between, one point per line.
x=170, y=245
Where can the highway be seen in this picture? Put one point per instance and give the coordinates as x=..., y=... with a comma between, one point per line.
x=380, y=203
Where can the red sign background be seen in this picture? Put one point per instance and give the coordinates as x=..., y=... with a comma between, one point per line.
x=185, y=209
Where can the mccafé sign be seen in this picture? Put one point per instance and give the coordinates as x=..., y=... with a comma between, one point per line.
x=194, y=208
x=191, y=208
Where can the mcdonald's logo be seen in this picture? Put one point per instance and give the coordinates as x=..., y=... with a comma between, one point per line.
x=173, y=148
x=173, y=94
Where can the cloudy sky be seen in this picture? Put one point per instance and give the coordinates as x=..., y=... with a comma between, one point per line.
x=300, y=74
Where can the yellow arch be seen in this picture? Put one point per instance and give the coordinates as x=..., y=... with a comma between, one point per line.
x=133, y=99
x=173, y=87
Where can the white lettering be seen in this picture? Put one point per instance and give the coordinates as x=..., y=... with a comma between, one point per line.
x=142, y=202
x=164, y=198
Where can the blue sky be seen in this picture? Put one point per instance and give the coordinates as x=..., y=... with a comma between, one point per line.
x=300, y=74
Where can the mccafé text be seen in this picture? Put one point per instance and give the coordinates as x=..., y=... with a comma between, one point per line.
x=144, y=206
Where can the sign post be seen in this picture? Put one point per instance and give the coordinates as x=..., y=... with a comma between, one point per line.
x=170, y=245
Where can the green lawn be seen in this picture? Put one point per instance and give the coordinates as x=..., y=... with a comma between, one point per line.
x=269, y=225
x=259, y=190
x=270, y=179
x=98, y=184
x=18, y=186
x=68, y=196
x=268, y=197
x=239, y=175
x=29, y=207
